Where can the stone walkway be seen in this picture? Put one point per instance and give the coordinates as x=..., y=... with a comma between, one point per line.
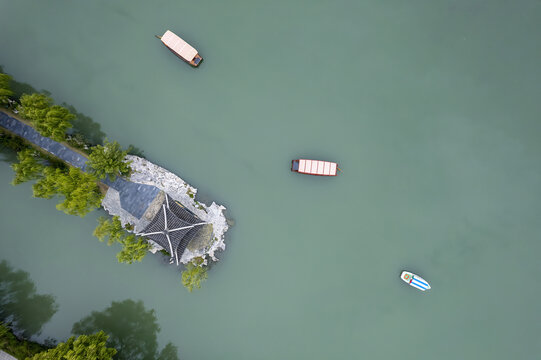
x=6, y=356
x=134, y=198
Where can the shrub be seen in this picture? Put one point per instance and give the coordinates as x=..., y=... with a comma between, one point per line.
x=108, y=160
x=193, y=276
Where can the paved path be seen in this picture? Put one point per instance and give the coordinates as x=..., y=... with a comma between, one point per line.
x=134, y=198
x=6, y=356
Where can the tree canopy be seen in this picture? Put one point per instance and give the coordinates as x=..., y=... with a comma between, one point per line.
x=57, y=121
x=84, y=347
x=34, y=106
x=28, y=168
x=193, y=276
x=80, y=190
x=108, y=160
x=49, y=120
x=5, y=88
x=19, y=348
x=132, y=330
x=110, y=229
x=134, y=248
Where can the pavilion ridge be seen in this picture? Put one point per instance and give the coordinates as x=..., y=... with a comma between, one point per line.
x=173, y=228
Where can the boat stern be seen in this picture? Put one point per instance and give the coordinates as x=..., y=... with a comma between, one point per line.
x=196, y=61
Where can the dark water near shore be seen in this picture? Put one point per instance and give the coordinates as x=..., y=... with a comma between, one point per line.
x=431, y=109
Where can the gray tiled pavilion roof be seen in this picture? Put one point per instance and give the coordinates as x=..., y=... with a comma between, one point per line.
x=134, y=198
x=173, y=228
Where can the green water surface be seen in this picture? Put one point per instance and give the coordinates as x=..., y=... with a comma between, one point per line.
x=431, y=108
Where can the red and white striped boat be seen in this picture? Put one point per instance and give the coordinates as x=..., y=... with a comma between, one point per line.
x=314, y=167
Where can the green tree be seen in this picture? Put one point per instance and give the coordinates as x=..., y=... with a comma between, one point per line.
x=193, y=275
x=19, y=348
x=84, y=347
x=110, y=229
x=80, y=190
x=47, y=186
x=34, y=107
x=133, y=248
x=108, y=160
x=5, y=89
x=57, y=121
x=49, y=120
x=28, y=168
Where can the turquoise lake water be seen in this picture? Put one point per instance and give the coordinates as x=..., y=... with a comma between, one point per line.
x=430, y=108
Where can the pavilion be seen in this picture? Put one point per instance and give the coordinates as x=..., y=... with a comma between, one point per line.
x=173, y=228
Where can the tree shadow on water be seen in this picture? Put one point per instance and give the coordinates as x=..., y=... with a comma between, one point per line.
x=9, y=146
x=132, y=331
x=7, y=155
x=20, y=88
x=20, y=306
x=85, y=126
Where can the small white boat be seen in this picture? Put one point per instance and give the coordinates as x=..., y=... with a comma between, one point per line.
x=415, y=280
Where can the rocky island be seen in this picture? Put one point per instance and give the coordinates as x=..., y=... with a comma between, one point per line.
x=203, y=243
x=157, y=207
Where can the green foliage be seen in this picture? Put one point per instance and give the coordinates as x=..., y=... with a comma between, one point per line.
x=79, y=142
x=84, y=347
x=11, y=141
x=19, y=348
x=133, y=248
x=49, y=120
x=80, y=190
x=28, y=168
x=5, y=88
x=47, y=187
x=57, y=121
x=108, y=160
x=193, y=275
x=34, y=107
x=111, y=229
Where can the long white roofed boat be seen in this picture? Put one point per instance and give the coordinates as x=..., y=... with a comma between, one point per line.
x=181, y=48
x=415, y=280
x=314, y=167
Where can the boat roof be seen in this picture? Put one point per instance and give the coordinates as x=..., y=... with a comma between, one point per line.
x=317, y=167
x=181, y=47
